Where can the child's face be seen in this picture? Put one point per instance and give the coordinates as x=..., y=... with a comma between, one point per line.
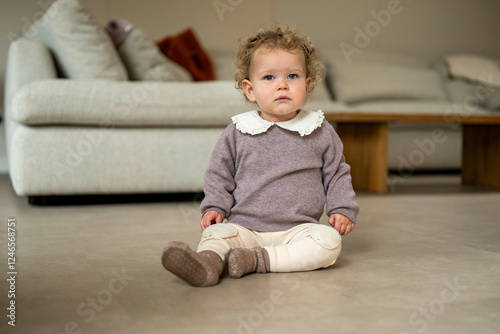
x=277, y=83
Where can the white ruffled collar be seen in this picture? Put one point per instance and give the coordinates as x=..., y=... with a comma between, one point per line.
x=305, y=122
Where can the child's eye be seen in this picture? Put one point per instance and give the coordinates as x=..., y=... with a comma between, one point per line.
x=292, y=76
x=268, y=77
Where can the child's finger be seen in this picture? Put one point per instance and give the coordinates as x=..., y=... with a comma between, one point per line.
x=342, y=228
x=350, y=227
x=204, y=224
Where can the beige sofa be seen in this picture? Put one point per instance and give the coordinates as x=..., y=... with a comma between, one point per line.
x=73, y=129
x=100, y=136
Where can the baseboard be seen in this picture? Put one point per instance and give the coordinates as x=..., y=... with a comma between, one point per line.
x=61, y=200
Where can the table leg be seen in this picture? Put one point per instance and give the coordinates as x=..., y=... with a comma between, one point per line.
x=481, y=154
x=365, y=150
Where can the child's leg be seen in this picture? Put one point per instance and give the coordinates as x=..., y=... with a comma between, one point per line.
x=221, y=238
x=305, y=247
x=204, y=267
x=247, y=254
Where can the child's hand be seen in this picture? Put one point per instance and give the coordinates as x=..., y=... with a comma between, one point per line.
x=341, y=223
x=210, y=217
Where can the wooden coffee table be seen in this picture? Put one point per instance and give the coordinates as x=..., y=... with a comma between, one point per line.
x=364, y=135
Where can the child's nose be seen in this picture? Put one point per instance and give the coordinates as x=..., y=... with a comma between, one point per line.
x=282, y=84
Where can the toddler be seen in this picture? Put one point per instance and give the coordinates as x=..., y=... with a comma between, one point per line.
x=271, y=174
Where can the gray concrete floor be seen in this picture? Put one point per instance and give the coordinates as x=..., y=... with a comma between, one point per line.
x=424, y=258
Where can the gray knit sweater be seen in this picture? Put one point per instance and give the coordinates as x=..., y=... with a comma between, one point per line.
x=277, y=178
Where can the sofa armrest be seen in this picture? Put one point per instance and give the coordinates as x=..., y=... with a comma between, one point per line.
x=27, y=61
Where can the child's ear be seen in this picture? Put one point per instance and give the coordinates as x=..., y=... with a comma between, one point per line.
x=308, y=83
x=247, y=87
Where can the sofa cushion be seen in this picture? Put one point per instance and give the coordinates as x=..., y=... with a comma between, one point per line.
x=460, y=91
x=464, y=91
x=104, y=103
x=82, y=48
x=444, y=108
x=493, y=101
x=145, y=62
x=474, y=68
x=330, y=54
x=365, y=81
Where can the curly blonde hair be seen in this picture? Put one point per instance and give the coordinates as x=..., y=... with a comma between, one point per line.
x=283, y=37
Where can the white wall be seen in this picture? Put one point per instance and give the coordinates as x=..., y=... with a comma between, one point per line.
x=427, y=28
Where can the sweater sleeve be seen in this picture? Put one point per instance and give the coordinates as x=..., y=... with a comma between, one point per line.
x=337, y=179
x=219, y=177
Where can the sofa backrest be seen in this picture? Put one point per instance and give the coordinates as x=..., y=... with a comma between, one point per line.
x=372, y=76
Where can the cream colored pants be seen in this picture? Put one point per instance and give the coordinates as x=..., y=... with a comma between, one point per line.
x=304, y=247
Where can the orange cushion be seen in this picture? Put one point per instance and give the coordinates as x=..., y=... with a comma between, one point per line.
x=185, y=50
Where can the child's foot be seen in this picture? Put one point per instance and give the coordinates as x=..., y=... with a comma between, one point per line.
x=243, y=261
x=197, y=269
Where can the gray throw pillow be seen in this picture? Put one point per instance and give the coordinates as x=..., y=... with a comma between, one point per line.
x=145, y=62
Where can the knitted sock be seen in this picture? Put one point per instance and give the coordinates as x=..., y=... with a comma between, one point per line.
x=243, y=261
x=197, y=269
